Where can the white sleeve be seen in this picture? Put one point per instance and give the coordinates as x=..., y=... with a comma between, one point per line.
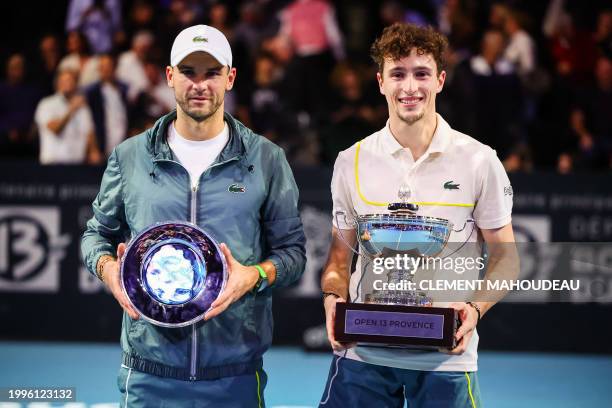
x=87, y=120
x=341, y=195
x=494, y=201
x=43, y=114
x=333, y=34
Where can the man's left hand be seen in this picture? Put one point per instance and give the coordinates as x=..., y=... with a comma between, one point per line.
x=469, y=318
x=241, y=280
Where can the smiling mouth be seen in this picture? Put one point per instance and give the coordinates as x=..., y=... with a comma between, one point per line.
x=410, y=101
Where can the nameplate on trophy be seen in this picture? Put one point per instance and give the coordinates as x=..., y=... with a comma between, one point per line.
x=399, y=325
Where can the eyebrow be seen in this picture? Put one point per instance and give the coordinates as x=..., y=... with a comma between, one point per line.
x=213, y=68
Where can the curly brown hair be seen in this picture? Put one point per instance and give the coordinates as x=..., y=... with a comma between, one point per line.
x=398, y=40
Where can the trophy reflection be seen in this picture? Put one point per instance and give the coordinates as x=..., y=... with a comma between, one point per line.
x=398, y=314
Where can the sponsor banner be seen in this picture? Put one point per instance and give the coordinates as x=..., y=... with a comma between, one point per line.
x=43, y=211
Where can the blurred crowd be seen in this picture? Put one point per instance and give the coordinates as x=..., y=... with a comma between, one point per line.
x=531, y=79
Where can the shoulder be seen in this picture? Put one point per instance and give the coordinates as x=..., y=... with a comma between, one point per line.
x=255, y=144
x=346, y=158
x=132, y=146
x=49, y=102
x=470, y=149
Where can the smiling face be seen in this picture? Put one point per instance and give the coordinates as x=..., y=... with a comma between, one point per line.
x=410, y=86
x=200, y=82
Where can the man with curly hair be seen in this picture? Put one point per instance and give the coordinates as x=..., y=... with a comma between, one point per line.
x=451, y=176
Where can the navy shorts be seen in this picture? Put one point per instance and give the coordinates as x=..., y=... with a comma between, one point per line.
x=139, y=389
x=357, y=384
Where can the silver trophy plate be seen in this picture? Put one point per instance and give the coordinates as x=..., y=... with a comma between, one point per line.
x=172, y=272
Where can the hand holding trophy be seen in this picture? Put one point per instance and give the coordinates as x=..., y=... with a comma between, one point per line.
x=401, y=317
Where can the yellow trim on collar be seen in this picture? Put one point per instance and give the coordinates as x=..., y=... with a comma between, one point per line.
x=381, y=204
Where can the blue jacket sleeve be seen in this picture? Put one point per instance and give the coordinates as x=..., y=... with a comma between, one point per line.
x=107, y=228
x=282, y=226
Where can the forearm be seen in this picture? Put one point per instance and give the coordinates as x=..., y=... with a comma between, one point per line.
x=336, y=274
x=58, y=124
x=286, y=264
x=335, y=279
x=503, y=265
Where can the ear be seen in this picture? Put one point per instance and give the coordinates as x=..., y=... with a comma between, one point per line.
x=169, y=76
x=231, y=77
x=379, y=78
x=441, y=79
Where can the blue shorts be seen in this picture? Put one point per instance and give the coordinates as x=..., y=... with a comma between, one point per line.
x=139, y=389
x=357, y=384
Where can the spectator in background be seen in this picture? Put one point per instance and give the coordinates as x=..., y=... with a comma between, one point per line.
x=181, y=14
x=18, y=101
x=573, y=50
x=80, y=60
x=158, y=99
x=65, y=126
x=131, y=65
x=218, y=17
x=262, y=109
x=99, y=20
x=487, y=96
x=46, y=63
x=141, y=18
x=521, y=50
x=590, y=120
x=310, y=27
x=354, y=112
x=251, y=28
x=456, y=21
x=107, y=100
x=391, y=11
x=603, y=32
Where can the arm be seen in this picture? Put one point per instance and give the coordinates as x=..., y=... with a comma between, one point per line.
x=282, y=227
x=577, y=122
x=105, y=233
x=56, y=125
x=94, y=155
x=335, y=280
x=283, y=236
x=503, y=264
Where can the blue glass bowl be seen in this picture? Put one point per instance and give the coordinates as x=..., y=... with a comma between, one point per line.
x=172, y=272
x=427, y=236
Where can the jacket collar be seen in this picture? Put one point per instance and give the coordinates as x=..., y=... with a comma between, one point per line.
x=157, y=139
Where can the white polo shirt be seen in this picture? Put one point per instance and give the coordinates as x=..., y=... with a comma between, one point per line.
x=70, y=145
x=457, y=178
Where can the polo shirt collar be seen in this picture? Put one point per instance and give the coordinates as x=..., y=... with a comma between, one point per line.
x=439, y=141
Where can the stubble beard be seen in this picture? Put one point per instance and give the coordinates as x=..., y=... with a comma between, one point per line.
x=412, y=119
x=200, y=116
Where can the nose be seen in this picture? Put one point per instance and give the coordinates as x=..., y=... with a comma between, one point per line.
x=410, y=84
x=199, y=82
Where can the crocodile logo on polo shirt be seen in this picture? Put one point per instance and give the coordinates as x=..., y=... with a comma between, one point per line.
x=449, y=185
x=236, y=188
x=200, y=39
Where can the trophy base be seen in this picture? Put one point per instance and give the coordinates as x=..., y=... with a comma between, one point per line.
x=396, y=325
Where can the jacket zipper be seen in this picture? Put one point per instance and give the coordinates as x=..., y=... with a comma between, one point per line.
x=194, y=332
x=193, y=219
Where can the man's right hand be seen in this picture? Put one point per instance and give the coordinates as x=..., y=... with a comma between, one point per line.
x=76, y=102
x=330, y=316
x=111, y=277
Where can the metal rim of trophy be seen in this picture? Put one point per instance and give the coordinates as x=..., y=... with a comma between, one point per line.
x=202, y=287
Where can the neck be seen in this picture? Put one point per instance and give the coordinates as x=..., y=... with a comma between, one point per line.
x=191, y=129
x=417, y=137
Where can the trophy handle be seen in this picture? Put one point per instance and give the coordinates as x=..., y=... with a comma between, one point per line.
x=350, y=220
x=468, y=221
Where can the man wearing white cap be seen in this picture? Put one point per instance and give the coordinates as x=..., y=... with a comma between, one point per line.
x=201, y=165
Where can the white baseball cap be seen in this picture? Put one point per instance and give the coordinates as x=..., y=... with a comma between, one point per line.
x=201, y=38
